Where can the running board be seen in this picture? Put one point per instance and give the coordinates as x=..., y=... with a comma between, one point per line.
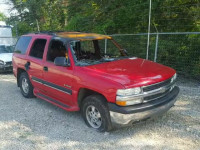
x=51, y=100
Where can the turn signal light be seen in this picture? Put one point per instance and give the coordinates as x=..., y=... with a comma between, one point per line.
x=121, y=103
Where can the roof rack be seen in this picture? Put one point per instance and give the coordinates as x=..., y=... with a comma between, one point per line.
x=45, y=32
x=50, y=32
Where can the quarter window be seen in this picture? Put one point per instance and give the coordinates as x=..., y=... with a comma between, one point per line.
x=22, y=44
x=37, y=49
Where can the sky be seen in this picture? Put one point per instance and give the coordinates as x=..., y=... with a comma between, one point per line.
x=5, y=7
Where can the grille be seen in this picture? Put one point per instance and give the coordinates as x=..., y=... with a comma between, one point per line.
x=156, y=86
x=9, y=63
x=156, y=96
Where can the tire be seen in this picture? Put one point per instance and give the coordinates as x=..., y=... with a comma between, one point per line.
x=25, y=85
x=95, y=105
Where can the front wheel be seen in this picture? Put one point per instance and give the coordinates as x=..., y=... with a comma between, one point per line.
x=95, y=113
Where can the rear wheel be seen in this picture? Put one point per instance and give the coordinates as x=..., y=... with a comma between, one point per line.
x=95, y=113
x=25, y=85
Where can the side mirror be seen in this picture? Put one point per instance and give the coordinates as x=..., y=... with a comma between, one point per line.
x=61, y=61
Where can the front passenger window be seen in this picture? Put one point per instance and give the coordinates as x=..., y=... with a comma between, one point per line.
x=56, y=49
x=37, y=49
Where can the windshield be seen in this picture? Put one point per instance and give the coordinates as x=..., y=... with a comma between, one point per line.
x=92, y=52
x=6, y=49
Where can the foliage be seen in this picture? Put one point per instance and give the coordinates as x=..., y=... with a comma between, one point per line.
x=121, y=16
x=39, y=15
x=2, y=17
x=108, y=16
x=125, y=16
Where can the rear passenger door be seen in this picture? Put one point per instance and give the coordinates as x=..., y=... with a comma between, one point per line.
x=35, y=62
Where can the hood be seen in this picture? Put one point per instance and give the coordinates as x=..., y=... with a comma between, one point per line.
x=6, y=57
x=133, y=72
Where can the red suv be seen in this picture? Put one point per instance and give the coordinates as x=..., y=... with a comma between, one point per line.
x=94, y=74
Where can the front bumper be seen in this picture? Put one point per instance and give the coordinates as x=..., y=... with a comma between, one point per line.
x=123, y=116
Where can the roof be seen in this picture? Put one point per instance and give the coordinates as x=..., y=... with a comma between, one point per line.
x=72, y=35
x=82, y=36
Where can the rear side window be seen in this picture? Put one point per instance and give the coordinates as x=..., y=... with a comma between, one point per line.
x=37, y=49
x=22, y=44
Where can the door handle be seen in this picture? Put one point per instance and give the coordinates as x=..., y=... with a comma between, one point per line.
x=45, y=68
x=27, y=66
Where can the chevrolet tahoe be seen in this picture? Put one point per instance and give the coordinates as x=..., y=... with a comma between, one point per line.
x=93, y=74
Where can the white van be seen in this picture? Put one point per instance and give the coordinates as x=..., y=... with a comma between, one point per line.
x=7, y=43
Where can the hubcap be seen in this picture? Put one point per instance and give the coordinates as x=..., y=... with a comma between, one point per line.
x=25, y=85
x=93, y=116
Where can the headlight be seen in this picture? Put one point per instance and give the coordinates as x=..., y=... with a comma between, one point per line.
x=127, y=92
x=1, y=62
x=126, y=97
x=174, y=78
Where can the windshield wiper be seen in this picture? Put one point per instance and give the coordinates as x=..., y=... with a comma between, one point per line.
x=106, y=59
x=86, y=62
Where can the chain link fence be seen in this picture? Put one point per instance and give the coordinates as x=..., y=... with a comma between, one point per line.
x=180, y=51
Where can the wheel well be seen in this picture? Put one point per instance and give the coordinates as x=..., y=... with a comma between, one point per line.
x=19, y=71
x=83, y=93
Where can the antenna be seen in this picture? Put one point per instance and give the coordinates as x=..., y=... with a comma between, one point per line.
x=149, y=29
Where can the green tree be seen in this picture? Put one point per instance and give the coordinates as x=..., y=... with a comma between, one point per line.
x=47, y=14
x=125, y=16
x=2, y=17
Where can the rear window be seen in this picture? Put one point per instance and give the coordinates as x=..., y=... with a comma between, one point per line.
x=22, y=44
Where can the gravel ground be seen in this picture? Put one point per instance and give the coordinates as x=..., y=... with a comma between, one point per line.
x=37, y=124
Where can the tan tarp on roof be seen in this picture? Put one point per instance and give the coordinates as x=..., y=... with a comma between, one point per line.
x=82, y=36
